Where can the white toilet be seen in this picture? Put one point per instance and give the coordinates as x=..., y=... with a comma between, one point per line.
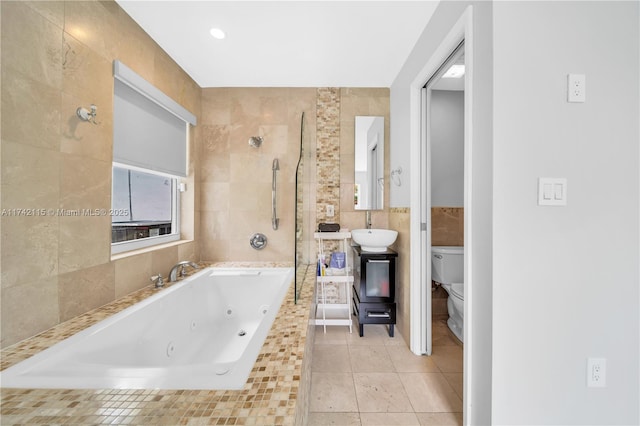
x=448, y=269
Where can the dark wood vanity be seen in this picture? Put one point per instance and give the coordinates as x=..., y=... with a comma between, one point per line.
x=374, y=288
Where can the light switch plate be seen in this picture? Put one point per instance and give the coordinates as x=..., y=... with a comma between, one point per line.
x=552, y=191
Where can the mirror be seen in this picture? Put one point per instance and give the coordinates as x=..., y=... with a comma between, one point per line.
x=369, y=163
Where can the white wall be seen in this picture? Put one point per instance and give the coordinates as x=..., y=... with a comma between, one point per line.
x=447, y=148
x=565, y=283
x=553, y=285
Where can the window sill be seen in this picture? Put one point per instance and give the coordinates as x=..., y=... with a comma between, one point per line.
x=148, y=249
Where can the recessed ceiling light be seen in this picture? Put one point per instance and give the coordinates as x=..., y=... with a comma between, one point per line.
x=455, y=71
x=217, y=33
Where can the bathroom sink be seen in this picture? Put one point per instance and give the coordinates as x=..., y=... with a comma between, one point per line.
x=375, y=240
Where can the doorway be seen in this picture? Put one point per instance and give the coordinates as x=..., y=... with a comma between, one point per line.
x=442, y=182
x=460, y=36
x=476, y=381
x=444, y=190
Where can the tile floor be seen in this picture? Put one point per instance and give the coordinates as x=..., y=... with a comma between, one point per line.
x=376, y=380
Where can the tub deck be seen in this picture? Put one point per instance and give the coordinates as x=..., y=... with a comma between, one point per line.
x=274, y=394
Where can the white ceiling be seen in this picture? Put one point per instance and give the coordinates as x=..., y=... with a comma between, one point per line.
x=286, y=43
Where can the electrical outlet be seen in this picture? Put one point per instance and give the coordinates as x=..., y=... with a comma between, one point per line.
x=596, y=372
x=576, y=88
x=330, y=211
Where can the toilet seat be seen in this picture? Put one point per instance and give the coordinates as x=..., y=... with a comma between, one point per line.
x=457, y=290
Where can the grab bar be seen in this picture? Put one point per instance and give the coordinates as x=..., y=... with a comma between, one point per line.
x=274, y=216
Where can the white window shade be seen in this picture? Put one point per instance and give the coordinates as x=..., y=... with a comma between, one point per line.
x=150, y=129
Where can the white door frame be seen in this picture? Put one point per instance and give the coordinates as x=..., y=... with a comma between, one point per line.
x=426, y=315
x=420, y=274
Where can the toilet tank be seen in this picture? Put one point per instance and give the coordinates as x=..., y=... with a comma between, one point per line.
x=447, y=264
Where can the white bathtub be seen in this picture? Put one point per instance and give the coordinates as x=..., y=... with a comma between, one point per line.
x=204, y=332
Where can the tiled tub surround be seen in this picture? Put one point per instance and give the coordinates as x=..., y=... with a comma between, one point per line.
x=204, y=332
x=276, y=392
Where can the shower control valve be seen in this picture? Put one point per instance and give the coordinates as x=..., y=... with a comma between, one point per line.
x=258, y=241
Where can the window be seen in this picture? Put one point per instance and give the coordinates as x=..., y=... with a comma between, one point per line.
x=144, y=205
x=150, y=155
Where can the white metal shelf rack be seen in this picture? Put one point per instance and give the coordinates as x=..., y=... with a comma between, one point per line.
x=334, y=313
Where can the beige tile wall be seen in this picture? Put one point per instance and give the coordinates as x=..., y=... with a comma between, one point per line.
x=55, y=57
x=447, y=226
x=236, y=178
x=353, y=102
x=399, y=220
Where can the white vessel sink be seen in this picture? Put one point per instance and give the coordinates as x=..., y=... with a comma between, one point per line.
x=375, y=240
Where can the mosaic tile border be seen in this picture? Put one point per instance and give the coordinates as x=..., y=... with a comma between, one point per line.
x=401, y=210
x=276, y=392
x=327, y=152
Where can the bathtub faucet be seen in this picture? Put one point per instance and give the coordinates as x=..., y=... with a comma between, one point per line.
x=180, y=266
x=158, y=280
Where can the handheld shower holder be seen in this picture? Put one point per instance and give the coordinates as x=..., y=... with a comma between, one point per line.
x=88, y=114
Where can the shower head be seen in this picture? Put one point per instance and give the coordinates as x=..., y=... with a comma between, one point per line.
x=255, y=141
